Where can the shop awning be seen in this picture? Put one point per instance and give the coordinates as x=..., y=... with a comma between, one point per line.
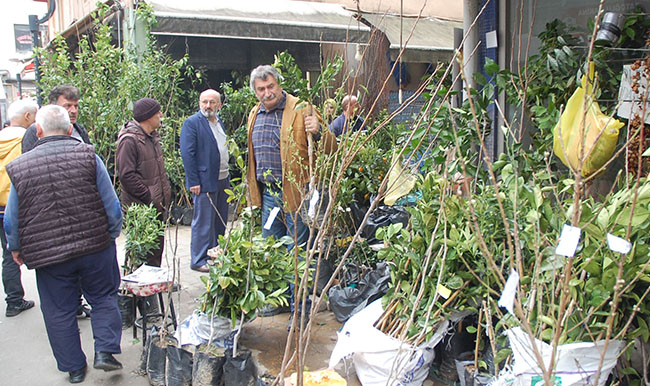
x=299, y=21
x=293, y=21
x=424, y=39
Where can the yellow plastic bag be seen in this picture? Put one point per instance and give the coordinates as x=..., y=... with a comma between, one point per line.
x=400, y=183
x=567, y=141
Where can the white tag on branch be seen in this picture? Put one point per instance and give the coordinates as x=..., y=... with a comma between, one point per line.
x=272, y=216
x=507, y=299
x=312, y=204
x=618, y=244
x=569, y=240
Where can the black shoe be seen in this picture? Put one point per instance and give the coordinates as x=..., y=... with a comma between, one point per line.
x=304, y=320
x=78, y=376
x=22, y=306
x=105, y=361
x=83, y=311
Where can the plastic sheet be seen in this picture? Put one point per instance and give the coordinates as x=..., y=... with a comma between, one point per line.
x=196, y=330
x=347, y=301
x=379, y=359
x=576, y=363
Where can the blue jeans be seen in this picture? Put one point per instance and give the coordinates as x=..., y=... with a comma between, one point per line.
x=285, y=224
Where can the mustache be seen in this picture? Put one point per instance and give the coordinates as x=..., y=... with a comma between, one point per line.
x=268, y=98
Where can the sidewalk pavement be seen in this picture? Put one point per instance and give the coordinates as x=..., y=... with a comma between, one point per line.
x=26, y=357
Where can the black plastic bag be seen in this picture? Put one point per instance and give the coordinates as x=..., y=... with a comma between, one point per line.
x=240, y=370
x=148, y=305
x=347, y=301
x=324, y=274
x=179, y=366
x=125, y=302
x=156, y=360
x=207, y=369
x=384, y=216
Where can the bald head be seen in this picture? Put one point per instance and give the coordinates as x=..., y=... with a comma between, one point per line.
x=210, y=104
x=349, y=104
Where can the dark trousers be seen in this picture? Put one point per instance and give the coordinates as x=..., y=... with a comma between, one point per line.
x=10, y=273
x=208, y=222
x=58, y=288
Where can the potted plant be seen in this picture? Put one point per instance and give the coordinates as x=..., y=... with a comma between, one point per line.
x=141, y=228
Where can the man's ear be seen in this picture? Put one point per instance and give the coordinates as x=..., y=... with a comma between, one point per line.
x=69, y=131
x=39, y=131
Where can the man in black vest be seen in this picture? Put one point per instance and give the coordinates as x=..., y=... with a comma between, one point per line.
x=61, y=219
x=66, y=96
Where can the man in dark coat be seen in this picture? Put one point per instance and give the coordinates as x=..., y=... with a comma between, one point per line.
x=66, y=96
x=62, y=219
x=141, y=167
x=205, y=157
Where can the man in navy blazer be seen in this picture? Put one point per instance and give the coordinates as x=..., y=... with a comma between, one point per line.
x=205, y=157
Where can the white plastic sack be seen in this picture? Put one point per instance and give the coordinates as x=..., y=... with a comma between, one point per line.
x=380, y=359
x=195, y=330
x=576, y=363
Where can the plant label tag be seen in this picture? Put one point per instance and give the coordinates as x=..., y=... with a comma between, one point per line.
x=569, y=240
x=618, y=244
x=507, y=299
x=312, y=204
x=272, y=216
x=443, y=291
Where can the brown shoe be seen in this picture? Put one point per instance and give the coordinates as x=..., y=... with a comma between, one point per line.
x=203, y=268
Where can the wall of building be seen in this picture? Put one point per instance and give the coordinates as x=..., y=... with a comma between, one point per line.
x=15, y=51
x=524, y=22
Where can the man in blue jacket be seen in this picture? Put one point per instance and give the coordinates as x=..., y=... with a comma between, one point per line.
x=204, y=151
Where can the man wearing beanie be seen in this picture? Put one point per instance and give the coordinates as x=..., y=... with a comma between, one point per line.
x=140, y=165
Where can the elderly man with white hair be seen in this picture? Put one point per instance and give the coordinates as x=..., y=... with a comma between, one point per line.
x=21, y=114
x=62, y=219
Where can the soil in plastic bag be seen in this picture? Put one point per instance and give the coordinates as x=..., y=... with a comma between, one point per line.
x=347, y=301
x=207, y=369
x=179, y=365
x=156, y=360
x=125, y=304
x=240, y=370
x=381, y=217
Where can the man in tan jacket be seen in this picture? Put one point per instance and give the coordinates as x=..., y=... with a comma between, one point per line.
x=278, y=159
